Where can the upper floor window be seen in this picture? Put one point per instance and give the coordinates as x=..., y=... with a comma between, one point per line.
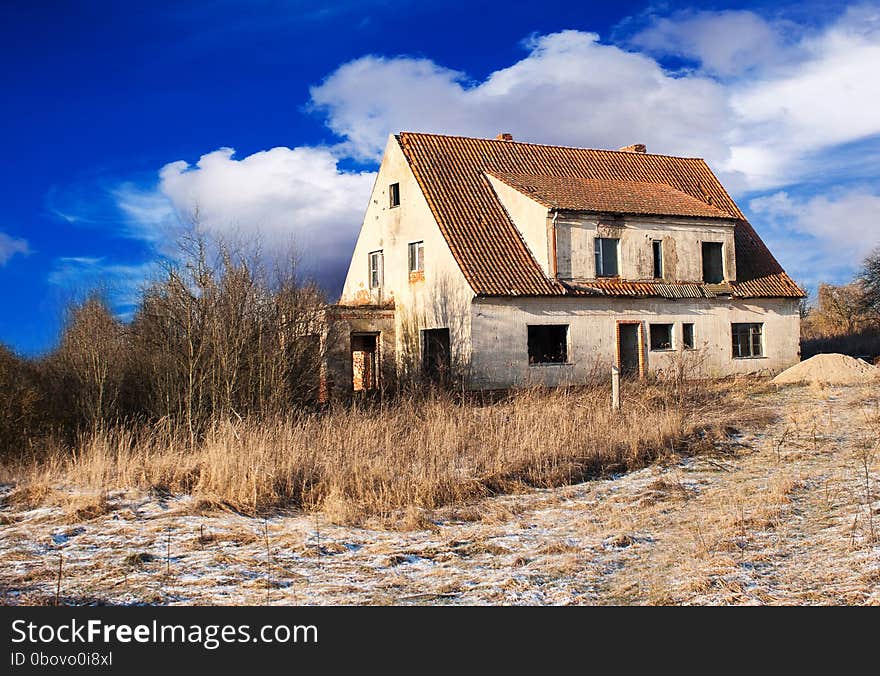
x=606, y=256
x=713, y=264
x=748, y=340
x=394, y=195
x=416, y=256
x=376, y=271
x=657, y=247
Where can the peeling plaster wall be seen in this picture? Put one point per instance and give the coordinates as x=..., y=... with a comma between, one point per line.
x=682, y=246
x=500, y=354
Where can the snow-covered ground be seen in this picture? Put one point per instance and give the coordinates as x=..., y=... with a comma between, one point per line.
x=776, y=515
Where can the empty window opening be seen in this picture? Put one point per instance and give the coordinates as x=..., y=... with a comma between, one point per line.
x=713, y=265
x=748, y=340
x=416, y=256
x=394, y=195
x=548, y=344
x=436, y=354
x=657, y=246
x=687, y=336
x=364, y=362
x=661, y=336
x=606, y=256
x=376, y=272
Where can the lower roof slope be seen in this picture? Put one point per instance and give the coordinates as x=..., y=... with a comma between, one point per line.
x=451, y=171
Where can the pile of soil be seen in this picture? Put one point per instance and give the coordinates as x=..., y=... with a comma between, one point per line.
x=830, y=369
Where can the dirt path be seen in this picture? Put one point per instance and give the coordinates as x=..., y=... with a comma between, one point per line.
x=775, y=516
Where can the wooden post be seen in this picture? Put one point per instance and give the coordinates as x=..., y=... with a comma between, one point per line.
x=58, y=587
x=615, y=388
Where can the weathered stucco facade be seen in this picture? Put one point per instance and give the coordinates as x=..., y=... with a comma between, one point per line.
x=439, y=297
x=499, y=329
x=436, y=281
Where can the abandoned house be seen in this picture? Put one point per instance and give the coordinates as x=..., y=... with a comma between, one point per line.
x=506, y=264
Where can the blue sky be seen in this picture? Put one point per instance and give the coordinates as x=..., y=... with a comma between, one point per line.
x=119, y=119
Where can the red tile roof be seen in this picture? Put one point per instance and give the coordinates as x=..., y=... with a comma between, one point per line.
x=451, y=171
x=610, y=196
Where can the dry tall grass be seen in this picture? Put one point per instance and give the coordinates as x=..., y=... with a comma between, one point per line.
x=379, y=459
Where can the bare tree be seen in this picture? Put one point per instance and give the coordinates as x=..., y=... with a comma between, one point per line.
x=869, y=276
x=88, y=363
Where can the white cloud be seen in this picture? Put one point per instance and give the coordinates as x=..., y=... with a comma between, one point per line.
x=284, y=197
x=149, y=215
x=821, y=236
x=570, y=89
x=788, y=94
x=725, y=43
x=826, y=99
x=10, y=246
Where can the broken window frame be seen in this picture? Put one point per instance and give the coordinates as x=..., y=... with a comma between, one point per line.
x=657, y=251
x=394, y=195
x=747, y=340
x=543, y=347
x=654, y=337
x=713, y=265
x=601, y=252
x=416, y=256
x=688, y=340
x=376, y=269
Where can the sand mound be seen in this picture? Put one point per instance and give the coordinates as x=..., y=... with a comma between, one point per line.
x=830, y=369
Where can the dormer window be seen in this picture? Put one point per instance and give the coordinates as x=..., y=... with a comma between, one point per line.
x=606, y=256
x=657, y=247
x=713, y=263
x=394, y=195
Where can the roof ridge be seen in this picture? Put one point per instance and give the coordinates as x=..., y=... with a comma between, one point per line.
x=550, y=145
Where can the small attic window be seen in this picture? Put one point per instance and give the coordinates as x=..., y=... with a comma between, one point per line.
x=657, y=249
x=416, y=256
x=376, y=269
x=394, y=195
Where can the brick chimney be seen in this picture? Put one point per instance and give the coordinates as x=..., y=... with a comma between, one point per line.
x=634, y=148
x=504, y=137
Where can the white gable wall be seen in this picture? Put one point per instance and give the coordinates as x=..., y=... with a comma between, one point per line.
x=442, y=298
x=531, y=218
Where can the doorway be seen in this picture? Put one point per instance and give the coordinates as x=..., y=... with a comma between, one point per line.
x=629, y=352
x=436, y=359
x=364, y=362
